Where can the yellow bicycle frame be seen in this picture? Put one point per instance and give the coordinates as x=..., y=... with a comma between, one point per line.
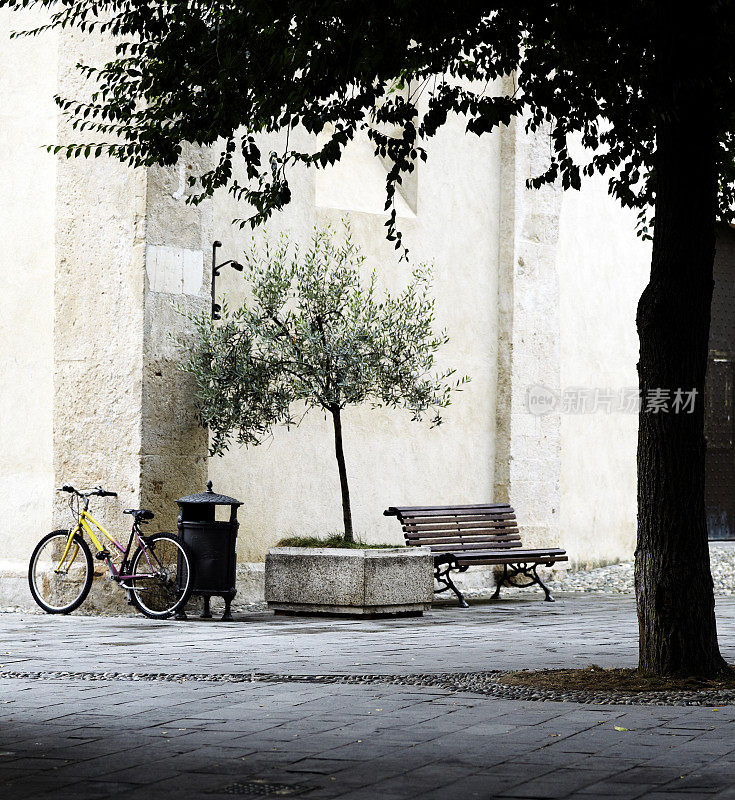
x=85, y=523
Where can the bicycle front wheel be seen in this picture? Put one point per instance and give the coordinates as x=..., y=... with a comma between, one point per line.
x=162, y=579
x=60, y=572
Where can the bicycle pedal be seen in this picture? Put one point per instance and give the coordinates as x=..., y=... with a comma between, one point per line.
x=102, y=555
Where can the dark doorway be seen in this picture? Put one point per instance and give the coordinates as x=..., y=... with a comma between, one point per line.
x=718, y=395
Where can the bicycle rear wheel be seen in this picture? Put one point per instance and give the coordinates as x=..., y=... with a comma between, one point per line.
x=60, y=578
x=163, y=579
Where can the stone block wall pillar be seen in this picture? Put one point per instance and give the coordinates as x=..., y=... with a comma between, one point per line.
x=528, y=447
x=177, y=277
x=127, y=246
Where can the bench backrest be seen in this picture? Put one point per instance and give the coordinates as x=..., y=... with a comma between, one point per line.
x=453, y=528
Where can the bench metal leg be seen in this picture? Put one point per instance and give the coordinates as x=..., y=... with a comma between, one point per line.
x=441, y=575
x=527, y=571
x=499, y=582
x=548, y=598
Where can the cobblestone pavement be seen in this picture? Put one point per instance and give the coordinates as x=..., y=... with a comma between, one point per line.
x=200, y=739
x=508, y=634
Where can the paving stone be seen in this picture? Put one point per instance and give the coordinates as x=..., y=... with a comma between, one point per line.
x=555, y=784
x=616, y=789
x=88, y=739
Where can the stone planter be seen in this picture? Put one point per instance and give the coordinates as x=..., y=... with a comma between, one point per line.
x=323, y=580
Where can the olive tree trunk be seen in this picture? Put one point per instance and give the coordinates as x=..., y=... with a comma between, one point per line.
x=678, y=634
x=339, y=452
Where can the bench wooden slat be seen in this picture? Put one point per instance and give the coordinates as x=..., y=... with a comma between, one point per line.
x=458, y=543
x=500, y=557
x=426, y=519
x=515, y=558
x=427, y=511
x=459, y=538
x=488, y=533
x=510, y=535
x=488, y=524
x=441, y=547
x=541, y=552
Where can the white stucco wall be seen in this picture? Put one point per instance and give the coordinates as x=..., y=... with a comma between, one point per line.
x=61, y=220
x=290, y=485
x=603, y=267
x=27, y=200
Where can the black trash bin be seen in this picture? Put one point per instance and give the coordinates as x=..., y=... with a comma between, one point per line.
x=212, y=544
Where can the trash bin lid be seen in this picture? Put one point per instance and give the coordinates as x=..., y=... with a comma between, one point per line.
x=209, y=496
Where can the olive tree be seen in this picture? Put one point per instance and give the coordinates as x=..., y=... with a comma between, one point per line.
x=315, y=334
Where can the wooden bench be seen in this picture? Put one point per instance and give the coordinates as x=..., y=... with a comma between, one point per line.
x=460, y=536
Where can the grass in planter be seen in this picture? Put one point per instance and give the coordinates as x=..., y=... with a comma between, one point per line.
x=335, y=540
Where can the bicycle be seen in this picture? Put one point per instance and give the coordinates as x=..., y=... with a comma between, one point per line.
x=157, y=577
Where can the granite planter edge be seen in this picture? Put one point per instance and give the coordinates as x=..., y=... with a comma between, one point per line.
x=366, y=582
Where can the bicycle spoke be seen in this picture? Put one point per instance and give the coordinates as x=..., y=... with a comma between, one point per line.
x=58, y=573
x=158, y=591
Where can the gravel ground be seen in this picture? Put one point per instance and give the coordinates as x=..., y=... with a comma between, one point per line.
x=618, y=578
x=489, y=684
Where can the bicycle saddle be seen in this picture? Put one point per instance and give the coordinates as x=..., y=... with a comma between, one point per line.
x=139, y=513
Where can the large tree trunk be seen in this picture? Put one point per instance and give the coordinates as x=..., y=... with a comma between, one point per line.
x=339, y=452
x=678, y=634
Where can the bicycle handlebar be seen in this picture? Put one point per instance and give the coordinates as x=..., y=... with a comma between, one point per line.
x=98, y=491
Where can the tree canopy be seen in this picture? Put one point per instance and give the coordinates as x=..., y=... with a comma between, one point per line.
x=218, y=73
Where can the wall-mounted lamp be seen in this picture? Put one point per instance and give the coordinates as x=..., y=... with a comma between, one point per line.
x=216, y=308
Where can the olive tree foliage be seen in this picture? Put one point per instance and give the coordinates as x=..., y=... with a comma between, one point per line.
x=314, y=333
x=645, y=85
